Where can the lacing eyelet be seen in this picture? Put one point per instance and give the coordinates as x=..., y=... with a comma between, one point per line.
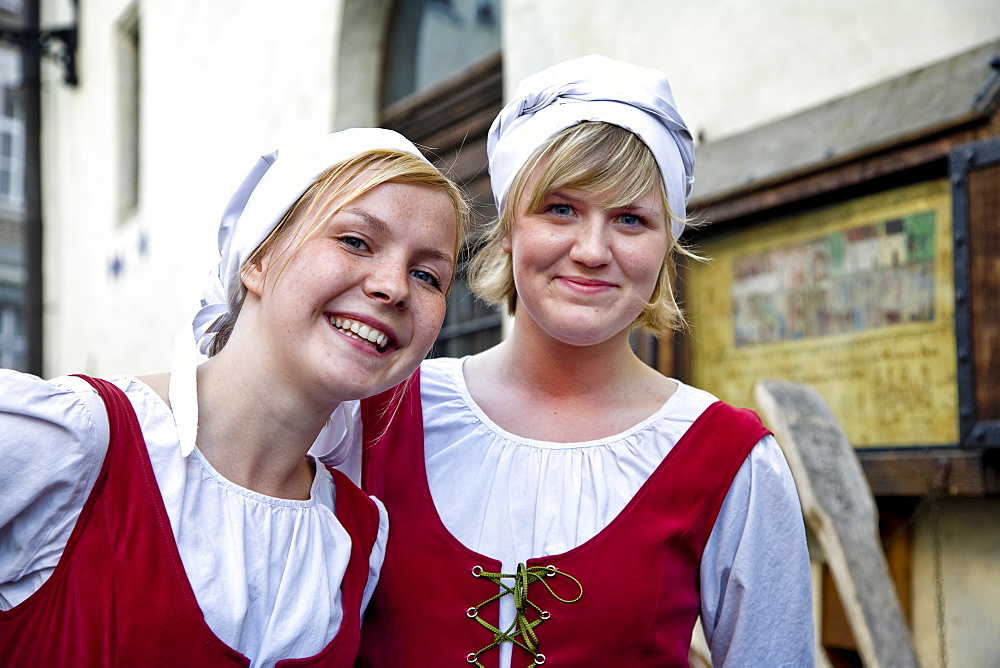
x=539, y=659
x=471, y=658
x=476, y=572
x=550, y=571
x=472, y=612
x=545, y=614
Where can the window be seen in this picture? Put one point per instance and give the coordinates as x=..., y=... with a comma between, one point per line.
x=12, y=6
x=432, y=39
x=128, y=99
x=11, y=133
x=442, y=88
x=13, y=275
x=13, y=342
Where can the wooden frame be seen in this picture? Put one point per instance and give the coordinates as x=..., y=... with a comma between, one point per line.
x=960, y=143
x=975, y=177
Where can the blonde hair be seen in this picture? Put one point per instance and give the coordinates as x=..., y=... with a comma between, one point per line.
x=597, y=157
x=343, y=182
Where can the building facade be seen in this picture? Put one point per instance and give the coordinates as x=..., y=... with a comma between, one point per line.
x=176, y=100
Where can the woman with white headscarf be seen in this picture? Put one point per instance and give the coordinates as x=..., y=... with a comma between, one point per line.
x=555, y=500
x=176, y=520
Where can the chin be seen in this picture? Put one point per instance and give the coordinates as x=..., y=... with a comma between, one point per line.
x=581, y=339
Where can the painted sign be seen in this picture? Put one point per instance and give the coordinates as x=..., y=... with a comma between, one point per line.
x=856, y=300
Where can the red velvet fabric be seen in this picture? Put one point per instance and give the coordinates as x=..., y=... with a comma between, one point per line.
x=640, y=575
x=119, y=595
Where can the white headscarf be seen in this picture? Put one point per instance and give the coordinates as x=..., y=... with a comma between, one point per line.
x=274, y=184
x=594, y=88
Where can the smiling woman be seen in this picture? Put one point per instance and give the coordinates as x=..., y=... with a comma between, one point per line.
x=335, y=257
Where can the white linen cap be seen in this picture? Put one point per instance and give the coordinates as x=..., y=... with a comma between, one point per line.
x=594, y=88
x=273, y=185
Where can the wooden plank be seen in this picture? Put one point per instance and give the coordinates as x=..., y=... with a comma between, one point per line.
x=835, y=630
x=435, y=109
x=895, y=516
x=903, y=472
x=839, y=508
x=699, y=656
x=797, y=187
x=984, y=270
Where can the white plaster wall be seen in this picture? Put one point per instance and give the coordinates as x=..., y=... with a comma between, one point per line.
x=970, y=569
x=736, y=64
x=227, y=80
x=222, y=82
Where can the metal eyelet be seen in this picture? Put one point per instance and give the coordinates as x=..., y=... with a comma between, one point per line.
x=551, y=571
x=545, y=614
x=471, y=657
x=472, y=612
x=539, y=659
x=476, y=572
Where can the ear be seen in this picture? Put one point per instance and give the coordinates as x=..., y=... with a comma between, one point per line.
x=506, y=244
x=252, y=275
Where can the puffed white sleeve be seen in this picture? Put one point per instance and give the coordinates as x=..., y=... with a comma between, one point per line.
x=53, y=441
x=339, y=443
x=756, y=587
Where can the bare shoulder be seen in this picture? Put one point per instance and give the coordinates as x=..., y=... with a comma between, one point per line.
x=159, y=383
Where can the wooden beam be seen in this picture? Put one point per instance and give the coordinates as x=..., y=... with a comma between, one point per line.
x=839, y=508
x=800, y=187
x=951, y=472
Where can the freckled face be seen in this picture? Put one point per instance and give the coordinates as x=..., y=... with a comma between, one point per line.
x=356, y=307
x=584, y=271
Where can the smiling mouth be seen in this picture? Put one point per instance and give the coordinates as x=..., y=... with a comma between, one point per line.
x=361, y=332
x=587, y=283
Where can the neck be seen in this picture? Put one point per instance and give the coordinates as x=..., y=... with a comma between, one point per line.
x=256, y=428
x=554, y=369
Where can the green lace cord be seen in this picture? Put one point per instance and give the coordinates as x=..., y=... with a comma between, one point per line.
x=522, y=631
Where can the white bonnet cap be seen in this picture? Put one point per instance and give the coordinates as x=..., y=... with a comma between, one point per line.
x=274, y=184
x=594, y=88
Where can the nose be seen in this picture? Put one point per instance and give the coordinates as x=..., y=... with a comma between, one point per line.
x=591, y=247
x=389, y=283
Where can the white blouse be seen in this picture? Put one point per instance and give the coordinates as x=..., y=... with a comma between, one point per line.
x=266, y=571
x=521, y=498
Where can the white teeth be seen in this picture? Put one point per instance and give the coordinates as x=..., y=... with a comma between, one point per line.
x=361, y=331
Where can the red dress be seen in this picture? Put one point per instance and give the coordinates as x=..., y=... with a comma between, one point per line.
x=119, y=595
x=639, y=577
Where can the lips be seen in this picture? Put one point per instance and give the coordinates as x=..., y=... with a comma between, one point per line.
x=361, y=331
x=586, y=284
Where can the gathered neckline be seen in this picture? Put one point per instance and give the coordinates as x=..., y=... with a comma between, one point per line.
x=458, y=377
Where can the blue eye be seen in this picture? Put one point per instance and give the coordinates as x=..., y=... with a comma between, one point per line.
x=354, y=242
x=630, y=220
x=426, y=277
x=561, y=209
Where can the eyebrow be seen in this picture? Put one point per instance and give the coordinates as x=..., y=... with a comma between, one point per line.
x=558, y=192
x=383, y=228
